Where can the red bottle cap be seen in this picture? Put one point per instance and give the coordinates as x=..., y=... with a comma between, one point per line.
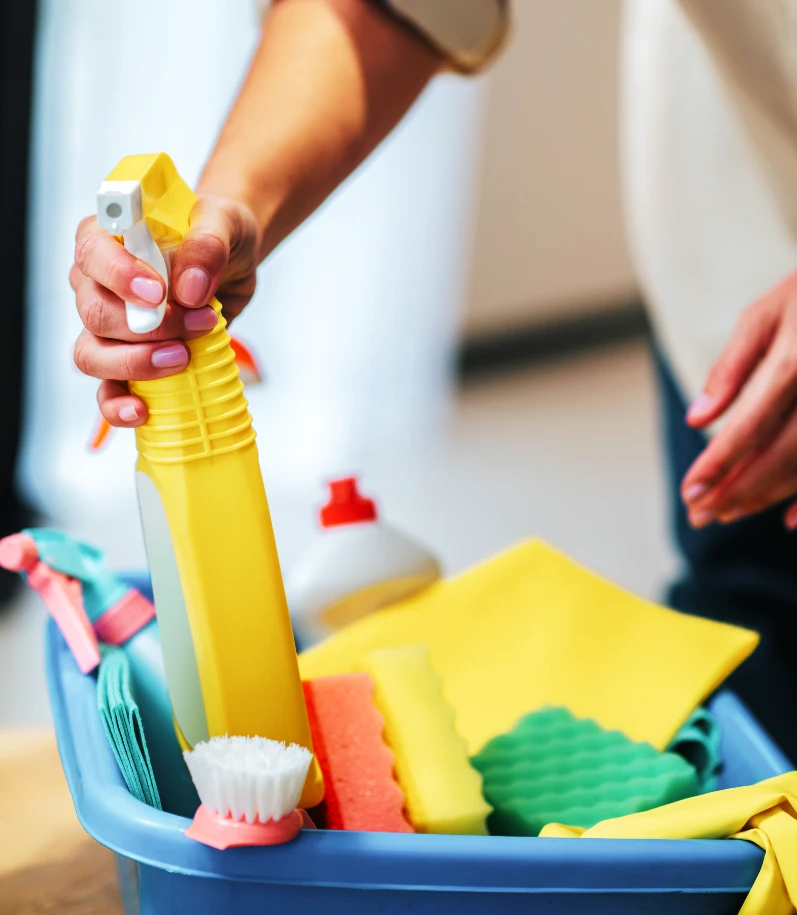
x=346, y=505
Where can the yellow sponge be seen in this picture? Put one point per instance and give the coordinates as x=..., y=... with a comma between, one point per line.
x=531, y=628
x=443, y=792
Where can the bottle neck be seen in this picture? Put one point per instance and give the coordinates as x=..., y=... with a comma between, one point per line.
x=200, y=412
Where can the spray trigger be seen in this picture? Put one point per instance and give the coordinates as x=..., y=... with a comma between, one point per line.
x=119, y=211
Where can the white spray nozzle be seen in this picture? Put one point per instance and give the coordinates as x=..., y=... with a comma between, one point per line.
x=119, y=211
x=119, y=206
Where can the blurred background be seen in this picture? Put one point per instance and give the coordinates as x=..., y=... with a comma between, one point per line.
x=460, y=325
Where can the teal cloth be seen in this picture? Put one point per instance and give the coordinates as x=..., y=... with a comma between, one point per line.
x=123, y=727
x=700, y=742
x=148, y=678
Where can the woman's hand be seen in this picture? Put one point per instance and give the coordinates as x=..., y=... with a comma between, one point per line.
x=751, y=463
x=327, y=83
x=218, y=257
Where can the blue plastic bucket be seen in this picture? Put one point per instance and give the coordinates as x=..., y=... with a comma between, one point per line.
x=346, y=873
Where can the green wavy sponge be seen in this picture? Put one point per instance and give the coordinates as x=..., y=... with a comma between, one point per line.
x=555, y=768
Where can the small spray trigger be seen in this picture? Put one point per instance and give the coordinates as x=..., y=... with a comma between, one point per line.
x=120, y=212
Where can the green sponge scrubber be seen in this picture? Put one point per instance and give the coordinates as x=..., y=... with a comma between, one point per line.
x=555, y=768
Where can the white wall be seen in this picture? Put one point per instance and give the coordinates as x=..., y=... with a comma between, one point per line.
x=550, y=236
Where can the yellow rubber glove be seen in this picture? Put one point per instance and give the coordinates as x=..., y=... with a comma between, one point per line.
x=765, y=814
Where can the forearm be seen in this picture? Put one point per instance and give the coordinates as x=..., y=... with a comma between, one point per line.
x=328, y=81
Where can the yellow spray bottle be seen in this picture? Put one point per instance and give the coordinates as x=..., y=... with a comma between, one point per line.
x=228, y=648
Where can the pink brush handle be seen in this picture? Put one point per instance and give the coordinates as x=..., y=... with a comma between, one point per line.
x=223, y=832
x=62, y=596
x=64, y=600
x=18, y=553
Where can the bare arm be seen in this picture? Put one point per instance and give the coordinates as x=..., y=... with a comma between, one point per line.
x=328, y=82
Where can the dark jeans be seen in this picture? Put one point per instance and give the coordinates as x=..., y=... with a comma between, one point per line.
x=743, y=573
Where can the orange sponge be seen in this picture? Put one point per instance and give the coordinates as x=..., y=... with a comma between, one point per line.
x=360, y=791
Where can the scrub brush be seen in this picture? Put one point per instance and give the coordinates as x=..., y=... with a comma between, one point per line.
x=249, y=788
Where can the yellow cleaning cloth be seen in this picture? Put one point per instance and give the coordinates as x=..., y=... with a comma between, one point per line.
x=531, y=627
x=765, y=814
x=442, y=791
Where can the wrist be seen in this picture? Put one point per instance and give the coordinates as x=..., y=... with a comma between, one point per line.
x=281, y=193
x=265, y=200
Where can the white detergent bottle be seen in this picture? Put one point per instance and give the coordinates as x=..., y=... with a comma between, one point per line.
x=355, y=566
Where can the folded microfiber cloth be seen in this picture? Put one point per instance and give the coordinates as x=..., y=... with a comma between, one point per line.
x=699, y=742
x=122, y=722
x=531, y=628
x=765, y=814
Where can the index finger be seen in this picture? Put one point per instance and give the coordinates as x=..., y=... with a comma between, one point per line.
x=760, y=414
x=103, y=259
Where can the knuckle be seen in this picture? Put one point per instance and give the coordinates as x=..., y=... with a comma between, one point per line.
x=168, y=330
x=94, y=314
x=171, y=326
x=130, y=362
x=84, y=227
x=104, y=400
x=788, y=362
x=722, y=462
x=753, y=316
x=83, y=355
x=210, y=244
x=117, y=273
x=750, y=314
x=749, y=432
x=85, y=245
x=719, y=376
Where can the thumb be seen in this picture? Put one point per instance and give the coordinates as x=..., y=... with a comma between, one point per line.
x=199, y=262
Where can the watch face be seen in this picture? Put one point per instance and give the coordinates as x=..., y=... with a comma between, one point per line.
x=467, y=32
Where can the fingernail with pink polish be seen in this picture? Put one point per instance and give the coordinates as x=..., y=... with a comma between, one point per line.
x=694, y=492
x=193, y=286
x=701, y=518
x=201, y=319
x=147, y=290
x=168, y=357
x=701, y=407
x=128, y=413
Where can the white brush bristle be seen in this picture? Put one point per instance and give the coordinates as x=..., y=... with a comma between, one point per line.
x=249, y=778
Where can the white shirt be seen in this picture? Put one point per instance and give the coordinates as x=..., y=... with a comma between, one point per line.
x=709, y=144
x=709, y=140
